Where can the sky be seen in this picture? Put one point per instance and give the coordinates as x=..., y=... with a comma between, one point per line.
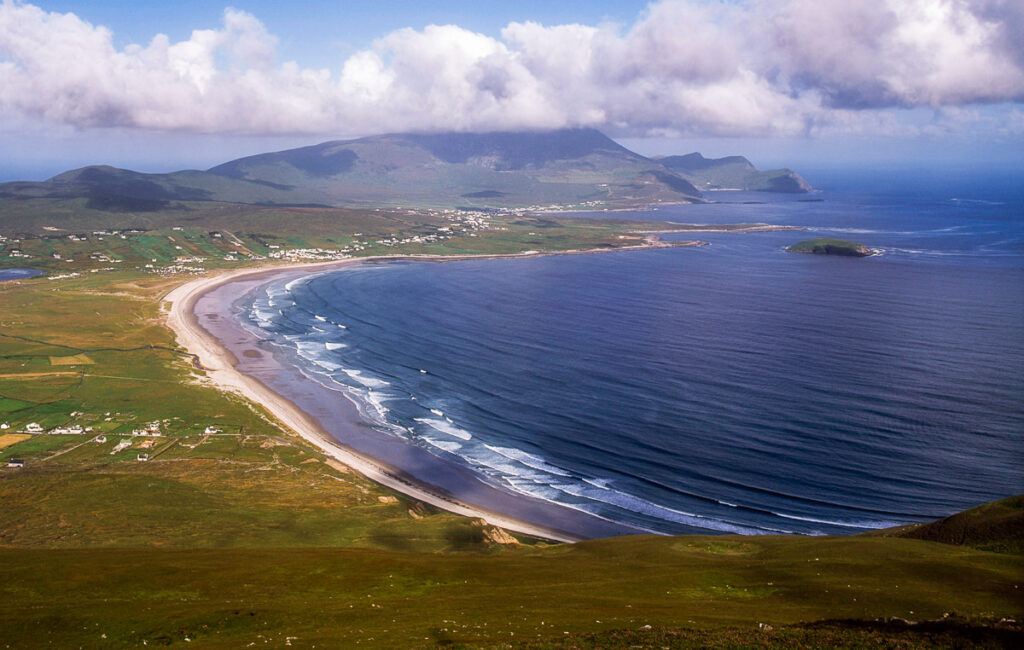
x=813, y=83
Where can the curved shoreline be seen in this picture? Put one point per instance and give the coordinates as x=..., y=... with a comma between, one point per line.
x=219, y=364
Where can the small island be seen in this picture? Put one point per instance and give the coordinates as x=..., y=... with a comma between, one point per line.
x=827, y=246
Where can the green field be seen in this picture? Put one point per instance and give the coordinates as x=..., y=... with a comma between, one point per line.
x=246, y=534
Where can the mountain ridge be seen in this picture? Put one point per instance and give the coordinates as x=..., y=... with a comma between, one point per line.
x=565, y=168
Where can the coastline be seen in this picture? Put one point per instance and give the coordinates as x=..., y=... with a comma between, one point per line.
x=221, y=365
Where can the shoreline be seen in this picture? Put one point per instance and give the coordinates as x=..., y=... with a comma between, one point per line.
x=219, y=363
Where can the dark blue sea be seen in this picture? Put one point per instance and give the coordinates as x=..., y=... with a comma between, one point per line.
x=730, y=388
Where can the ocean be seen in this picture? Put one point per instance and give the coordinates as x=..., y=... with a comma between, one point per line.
x=733, y=388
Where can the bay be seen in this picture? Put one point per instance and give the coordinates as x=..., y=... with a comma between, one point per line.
x=729, y=388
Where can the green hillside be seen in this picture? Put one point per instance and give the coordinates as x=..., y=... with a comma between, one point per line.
x=995, y=527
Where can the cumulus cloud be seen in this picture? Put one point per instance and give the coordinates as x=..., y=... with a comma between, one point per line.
x=687, y=66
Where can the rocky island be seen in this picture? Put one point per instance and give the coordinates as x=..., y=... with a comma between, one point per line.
x=828, y=246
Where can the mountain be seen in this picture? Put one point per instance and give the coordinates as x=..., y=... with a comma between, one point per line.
x=568, y=167
x=733, y=172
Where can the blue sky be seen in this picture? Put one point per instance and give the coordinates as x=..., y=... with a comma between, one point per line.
x=160, y=86
x=324, y=32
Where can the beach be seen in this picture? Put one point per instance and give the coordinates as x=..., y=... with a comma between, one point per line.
x=203, y=315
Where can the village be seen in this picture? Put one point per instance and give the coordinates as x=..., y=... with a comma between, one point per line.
x=109, y=436
x=183, y=251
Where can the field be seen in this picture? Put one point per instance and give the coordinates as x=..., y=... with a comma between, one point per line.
x=235, y=532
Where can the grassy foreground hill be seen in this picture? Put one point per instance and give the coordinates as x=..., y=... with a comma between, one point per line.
x=236, y=533
x=607, y=593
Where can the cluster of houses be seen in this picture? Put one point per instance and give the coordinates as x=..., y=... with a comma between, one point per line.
x=320, y=254
x=123, y=234
x=74, y=429
x=35, y=427
x=175, y=269
x=151, y=429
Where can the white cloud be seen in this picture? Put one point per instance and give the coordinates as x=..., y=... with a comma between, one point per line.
x=686, y=66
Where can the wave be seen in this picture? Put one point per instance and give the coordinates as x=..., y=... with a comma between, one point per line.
x=649, y=508
x=329, y=366
x=309, y=350
x=925, y=251
x=376, y=401
x=363, y=379
x=841, y=523
x=445, y=445
x=527, y=459
x=869, y=231
x=335, y=346
x=977, y=201
x=446, y=427
x=262, y=317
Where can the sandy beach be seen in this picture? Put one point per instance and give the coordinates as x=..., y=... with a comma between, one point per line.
x=248, y=373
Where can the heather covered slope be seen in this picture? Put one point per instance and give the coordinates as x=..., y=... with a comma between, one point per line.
x=734, y=172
